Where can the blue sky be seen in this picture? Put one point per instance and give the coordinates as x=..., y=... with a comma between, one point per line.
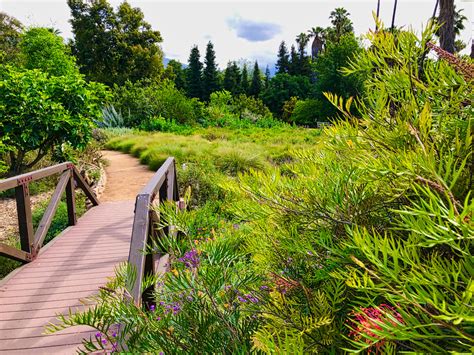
x=238, y=29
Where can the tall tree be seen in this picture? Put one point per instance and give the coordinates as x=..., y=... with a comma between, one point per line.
x=446, y=18
x=267, y=76
x=232, y=78
x=304, y=65
x=341, y=24
x=194, y=74
x=174, y=71
x=294, y=67
x=283, y=61
x=318, y=34
x=42, y=49
x=114, y=46
x=256, y=84
x=10, y=36
x=210, y=73
x=244, y=81
x=394, y=12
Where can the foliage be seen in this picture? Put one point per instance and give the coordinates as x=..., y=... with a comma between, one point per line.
x=194, y=74
x=140, y=103
x=210, y=73
x=256, y=83
x=110, y=118
x=42, y=49
x=283, y=86
x=232, y=79
x=10, y=36
x=39, y=113
x=330, y=78
x=113, y=47
x=283, y=62
x=174, y=71
x=308, y=112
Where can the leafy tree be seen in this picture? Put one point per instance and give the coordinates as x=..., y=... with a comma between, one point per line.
x=283, y=61
x=256, y=84
x=244, y=81
x=114, y=46
x=458, y=25
x=210, y=73
x=10, y=36
x=174, y=71
x=40, y=112
x=194, y=74
x=42, y=49
x=281, y=88
x=232, y=78
x=341, y=24
x=328, y=69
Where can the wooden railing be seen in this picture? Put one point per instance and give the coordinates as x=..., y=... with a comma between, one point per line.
x=164, y=185
x=31, y=241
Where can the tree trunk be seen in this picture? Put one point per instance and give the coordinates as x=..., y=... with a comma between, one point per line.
x=393, y=14
x=446, y=19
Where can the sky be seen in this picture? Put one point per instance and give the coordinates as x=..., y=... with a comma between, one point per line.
x=239, y=29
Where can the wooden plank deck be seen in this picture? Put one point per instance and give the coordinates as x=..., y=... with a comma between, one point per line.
x=72, y=267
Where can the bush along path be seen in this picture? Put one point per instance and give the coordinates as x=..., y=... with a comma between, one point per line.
x=71, y=269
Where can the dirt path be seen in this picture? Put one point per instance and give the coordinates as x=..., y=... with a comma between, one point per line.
x=125, y=176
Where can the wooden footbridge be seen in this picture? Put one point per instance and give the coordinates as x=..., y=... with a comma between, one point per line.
x=76, y=263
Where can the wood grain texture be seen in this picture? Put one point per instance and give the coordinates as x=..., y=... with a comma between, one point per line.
x=71, y=269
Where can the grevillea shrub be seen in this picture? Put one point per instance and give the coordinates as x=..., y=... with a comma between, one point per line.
x=363, y=244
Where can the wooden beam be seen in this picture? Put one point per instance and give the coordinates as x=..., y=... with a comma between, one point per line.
x=18, y=180
x=45, y=222
x=140, y=230
x=14, y=253
x=85, y=187
x=71, y=200
x=25, y=220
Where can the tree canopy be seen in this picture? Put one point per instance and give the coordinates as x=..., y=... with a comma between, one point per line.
x=114, y=46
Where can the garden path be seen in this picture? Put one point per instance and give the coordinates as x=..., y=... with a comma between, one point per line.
x=71, y=267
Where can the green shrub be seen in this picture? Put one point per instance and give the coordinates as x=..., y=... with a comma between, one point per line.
x=140, y=102
x=307, y=112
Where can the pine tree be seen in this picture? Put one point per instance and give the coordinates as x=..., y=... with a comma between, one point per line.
x=194, y=74
x=256, y=85
x=267, y=77
x=294, y=66
x=232, y=78
x=283, y=63
x=244, y=81
x=210, y=73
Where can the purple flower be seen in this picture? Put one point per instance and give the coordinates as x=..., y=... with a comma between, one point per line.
x=162, y=303
x=98, y=335
x=227, y=287
x=176, y=308
x=190, y=259
x=251, y=298
x=264, y=288
x=310, y=253
x=114, y=347
x=104, y=341
x=241, y=299
x=158, y=318
x=190, y=299
x=114, y=334
x=152, y=308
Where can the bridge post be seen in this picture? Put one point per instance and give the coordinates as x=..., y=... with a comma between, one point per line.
x=71, y=200
x=25, y=220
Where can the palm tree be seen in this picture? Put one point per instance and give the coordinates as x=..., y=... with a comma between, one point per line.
x=340, y=20
x=393, y=14
x=317, y=33
x=378, y=13
x=447, y=31
x=302, y=39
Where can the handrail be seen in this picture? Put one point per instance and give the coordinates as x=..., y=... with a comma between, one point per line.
x=31, y=242
x=164, y=184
